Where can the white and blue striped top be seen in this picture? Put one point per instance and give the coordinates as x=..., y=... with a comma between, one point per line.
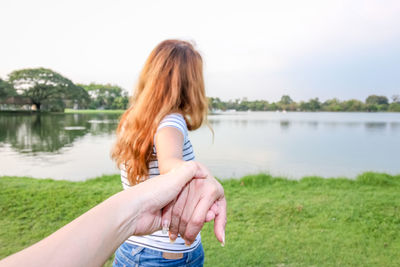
x=158, y=240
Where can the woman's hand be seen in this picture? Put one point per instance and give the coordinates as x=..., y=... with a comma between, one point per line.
x=200, y=201
x=158, y=191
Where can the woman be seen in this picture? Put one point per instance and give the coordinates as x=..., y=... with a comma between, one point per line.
x=152, y=139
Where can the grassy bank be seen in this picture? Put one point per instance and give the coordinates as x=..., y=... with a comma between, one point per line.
x=271, y=221
x=94, y=111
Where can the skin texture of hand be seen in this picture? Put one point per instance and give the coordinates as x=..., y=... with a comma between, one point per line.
x=201, y=200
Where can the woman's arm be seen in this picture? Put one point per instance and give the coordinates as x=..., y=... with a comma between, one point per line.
x=90, y=239
x=176, y=219
x=169, y=145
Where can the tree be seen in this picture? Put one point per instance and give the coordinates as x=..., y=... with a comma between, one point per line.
x=314, y=104
x=44, y=86
x=106, y=96
x=120, y=102
x=6, y=89
x=394, y=107
x=286, y=100
x=377, y=103
x=377, y=100
x=352, y=105
x=332, y=105
x=214, y=103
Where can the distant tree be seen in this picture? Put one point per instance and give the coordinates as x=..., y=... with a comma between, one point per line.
x=286, y=100
x=377, y=100
x=352, y=105
x=258, y=105
x=44, y=86
x=273, y=106
x=377, y=103
x=314, y=104
x=304, y=106
x=120, y=102
x=103, y=96
x=262, y=105
x=233, y=104
x=214, y=103
x=286, y=103
x=394, y=107
x=332, y=105
x=6, y=89
x=243, y=104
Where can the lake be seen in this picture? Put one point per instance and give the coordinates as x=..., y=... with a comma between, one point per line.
x=294, y=144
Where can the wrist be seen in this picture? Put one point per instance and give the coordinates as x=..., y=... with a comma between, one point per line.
x=128, y=211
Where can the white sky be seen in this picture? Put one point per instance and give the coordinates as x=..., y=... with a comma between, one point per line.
x=254, y=49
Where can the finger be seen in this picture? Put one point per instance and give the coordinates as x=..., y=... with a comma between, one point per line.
x=214, y=207
x=220, y=221
x=177, y=213
x=166, y=216
x=211, y=212
x=210, y=216
x=189, y=208
x=197, y=220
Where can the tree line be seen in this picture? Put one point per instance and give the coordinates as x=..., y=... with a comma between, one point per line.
x=372, y=103
x=51, y=91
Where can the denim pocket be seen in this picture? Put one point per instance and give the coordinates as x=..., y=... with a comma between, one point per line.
x=126, y=255
x=121, y=260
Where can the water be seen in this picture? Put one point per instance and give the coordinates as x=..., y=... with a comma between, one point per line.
x=77, y=146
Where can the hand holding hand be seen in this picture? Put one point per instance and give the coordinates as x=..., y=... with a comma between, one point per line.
x=157, y=192
x=200, y=201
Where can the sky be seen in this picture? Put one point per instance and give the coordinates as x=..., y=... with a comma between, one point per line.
x=254, y=49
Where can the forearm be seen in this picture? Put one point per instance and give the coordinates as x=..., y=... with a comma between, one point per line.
x=169, y=145
x=89, y=240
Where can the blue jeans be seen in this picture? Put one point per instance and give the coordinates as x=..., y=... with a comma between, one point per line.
x=128, y=255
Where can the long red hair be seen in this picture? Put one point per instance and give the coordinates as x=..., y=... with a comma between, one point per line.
x=171, y=81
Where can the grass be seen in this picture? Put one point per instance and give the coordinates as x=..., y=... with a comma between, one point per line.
x=94, y=111
x=271, y=221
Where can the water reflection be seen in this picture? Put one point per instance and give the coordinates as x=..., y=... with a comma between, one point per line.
x=375, y=126
x=287, y=121
x=395, y=126
x=284, y=124
x=33, y=133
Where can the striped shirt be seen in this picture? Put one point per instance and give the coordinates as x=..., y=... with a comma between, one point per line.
x=158, y=240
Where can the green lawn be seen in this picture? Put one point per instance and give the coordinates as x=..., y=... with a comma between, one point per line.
x=271, y=221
